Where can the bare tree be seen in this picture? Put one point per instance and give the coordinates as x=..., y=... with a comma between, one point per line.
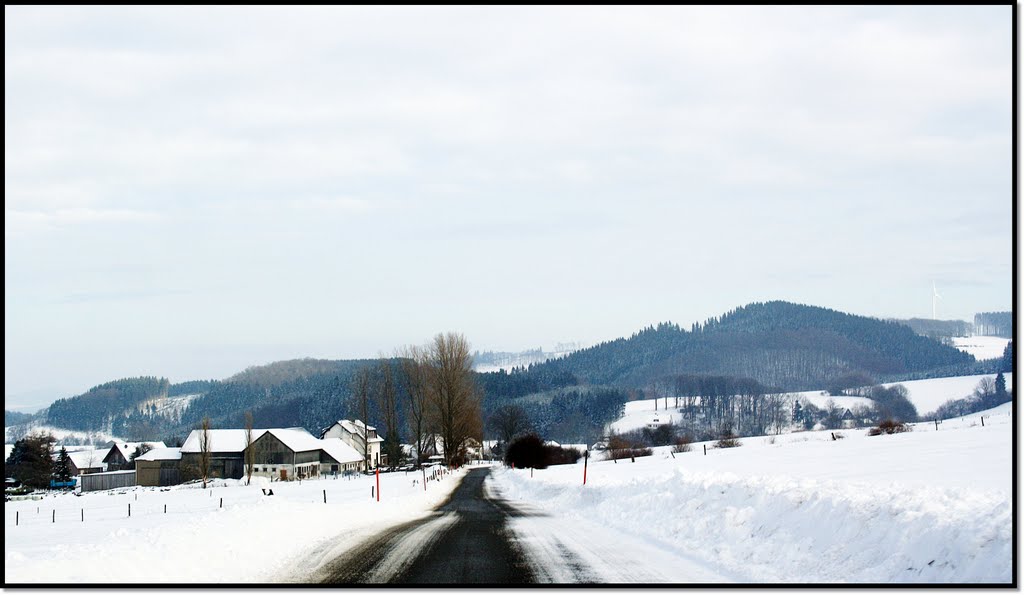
x=387, y=402
x=250, y=455
x=361, y=395
x=509, y=421
x=204, y=451
x=454, y=400
x=414, y=377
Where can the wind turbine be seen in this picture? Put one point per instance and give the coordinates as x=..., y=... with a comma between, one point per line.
x=935, y=296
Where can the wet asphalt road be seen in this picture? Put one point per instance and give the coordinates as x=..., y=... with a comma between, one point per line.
x=465, y=541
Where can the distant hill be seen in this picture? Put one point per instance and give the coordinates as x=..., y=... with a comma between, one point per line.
x=13, y=417
x=780, y=344
x=941, y=330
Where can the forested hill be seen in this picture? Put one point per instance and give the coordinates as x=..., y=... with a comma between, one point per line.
x=780, y=344
x=100, y=407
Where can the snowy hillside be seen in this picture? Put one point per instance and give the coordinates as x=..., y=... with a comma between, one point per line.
x=254, y=538
x=929, y=506
x=981, y=347
x=14, y=433
x=928, y=394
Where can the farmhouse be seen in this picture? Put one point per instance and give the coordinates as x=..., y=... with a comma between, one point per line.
x=158, y=467
x=359, y=436
x=120, y=455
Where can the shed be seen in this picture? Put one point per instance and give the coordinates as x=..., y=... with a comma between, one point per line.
x=158, y=467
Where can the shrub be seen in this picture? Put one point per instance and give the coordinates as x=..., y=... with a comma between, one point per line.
x=889, y=426
x=682, y=443
x=730, y=442
x=728, y=439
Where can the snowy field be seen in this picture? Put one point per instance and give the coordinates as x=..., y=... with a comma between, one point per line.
x=981, y=347
x=253, y=539
x=928, y=506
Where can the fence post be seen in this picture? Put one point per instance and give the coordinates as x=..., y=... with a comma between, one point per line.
x=936, y=425
x=83, y=515
x=586, y=457
x=325, y=496
x=129, y=509
x=983, y=421
x=424, y=479
x=705, y=450
x=17, y=517
x=371, y=491
x=378, y=484
x=54, y=519
x=165, y=509
x=222, y=502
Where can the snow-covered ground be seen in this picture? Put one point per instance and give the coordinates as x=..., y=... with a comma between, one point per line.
x=928, y=506
x=254, y=538
x=981, y=347
x=927, y=395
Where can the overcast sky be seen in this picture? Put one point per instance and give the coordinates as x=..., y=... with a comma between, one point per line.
x=190, y=191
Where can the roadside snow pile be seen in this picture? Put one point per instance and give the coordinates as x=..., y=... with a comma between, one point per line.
x=254, y=538
x=920, y=507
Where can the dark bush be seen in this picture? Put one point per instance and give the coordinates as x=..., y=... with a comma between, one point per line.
x=889, y=426
x=530, y=451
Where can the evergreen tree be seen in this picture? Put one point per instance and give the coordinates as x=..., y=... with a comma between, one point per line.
x=62, y=466
x=31, y=462
x=1001, y=396
x=1007, y=363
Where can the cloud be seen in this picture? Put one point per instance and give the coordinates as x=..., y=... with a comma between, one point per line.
x=19, y=222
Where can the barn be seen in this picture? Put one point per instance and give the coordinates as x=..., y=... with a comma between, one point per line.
x=227, y=454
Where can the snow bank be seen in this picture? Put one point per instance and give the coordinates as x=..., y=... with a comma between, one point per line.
x=254, y=538
x=929, y=506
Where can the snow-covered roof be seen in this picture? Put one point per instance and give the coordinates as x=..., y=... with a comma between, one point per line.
x=161, y=454
x=357, y=428
x=297, y=439
x=339, y=451
x=220, y=440
x=88, y=459
x=128, y=448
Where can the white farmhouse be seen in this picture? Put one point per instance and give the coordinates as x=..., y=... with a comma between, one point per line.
x=357, y=434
